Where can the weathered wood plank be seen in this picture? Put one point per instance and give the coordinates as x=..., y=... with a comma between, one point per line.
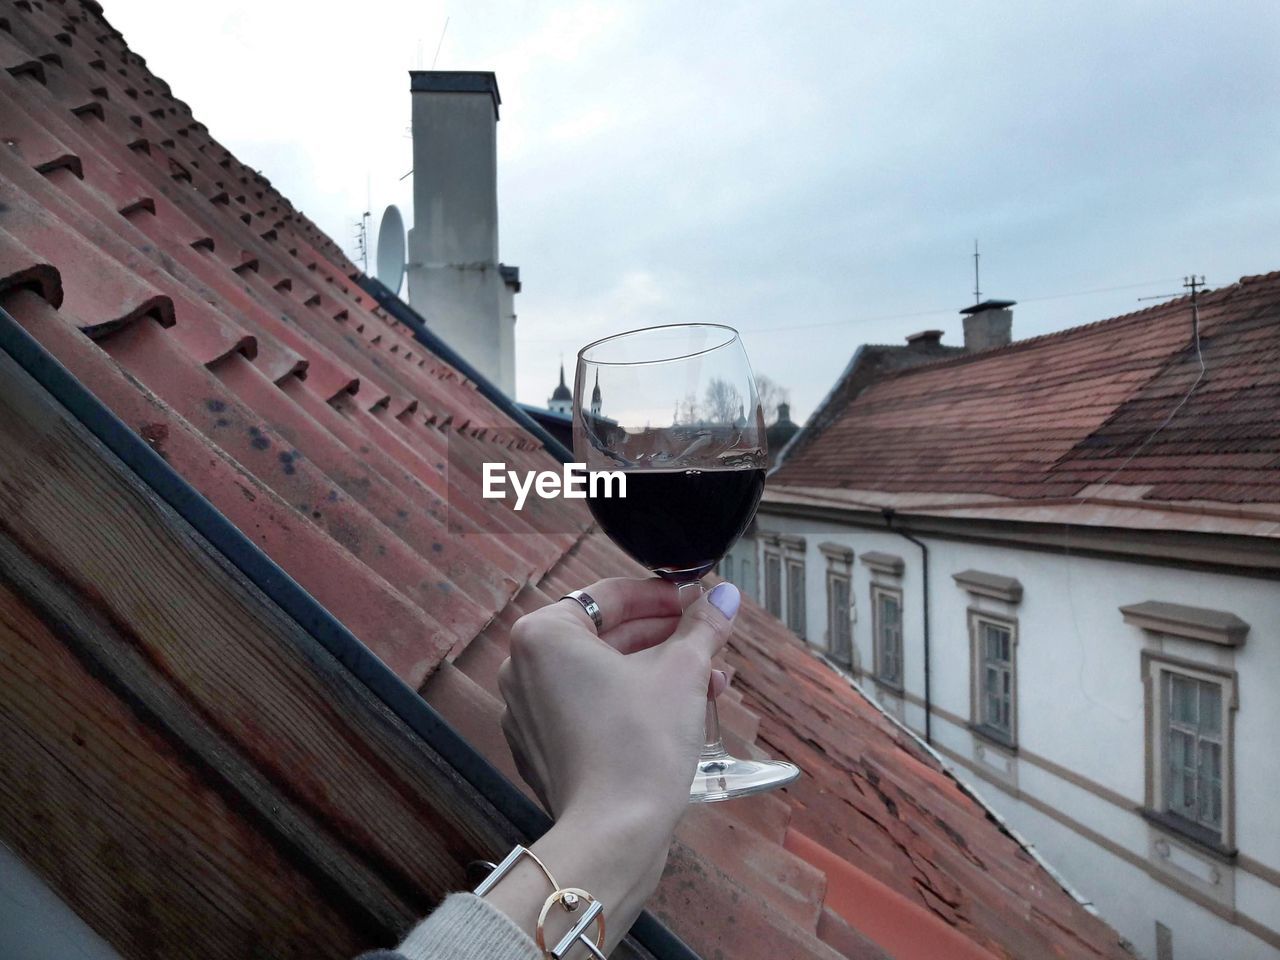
x=188, y=768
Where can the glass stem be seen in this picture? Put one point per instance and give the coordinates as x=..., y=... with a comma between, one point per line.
x=713, y=745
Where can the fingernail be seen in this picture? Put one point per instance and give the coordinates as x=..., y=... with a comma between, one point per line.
x=724, y=678
x=725, y=598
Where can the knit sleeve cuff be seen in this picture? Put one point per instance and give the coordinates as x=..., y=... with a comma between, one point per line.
x=465, y=927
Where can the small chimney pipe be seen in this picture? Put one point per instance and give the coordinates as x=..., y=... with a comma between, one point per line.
x=924, y=339
x=988, y=325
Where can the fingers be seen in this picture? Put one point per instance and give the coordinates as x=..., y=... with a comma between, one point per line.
x=719, y=683
x=641, y=634
x=706, y=625
x=622, y=599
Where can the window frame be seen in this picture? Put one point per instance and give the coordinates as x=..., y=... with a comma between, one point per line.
x=1155, y=668
x=772, y=586
x=880, y=591
x=840, y=628
x=1007, y=738
x=795, y=611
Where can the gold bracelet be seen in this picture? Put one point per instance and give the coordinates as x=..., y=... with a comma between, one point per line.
x=571, y=898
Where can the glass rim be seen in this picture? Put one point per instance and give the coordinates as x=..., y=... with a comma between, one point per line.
x=582, y=358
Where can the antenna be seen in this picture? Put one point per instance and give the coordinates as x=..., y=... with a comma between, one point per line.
x=391, y=249
x=1194, y=286
x=362, y=241
x=440, y=44
x=977, y=293
x=1188, y=283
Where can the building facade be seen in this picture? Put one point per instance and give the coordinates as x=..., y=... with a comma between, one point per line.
x=1070, y=597
x=1078, y=691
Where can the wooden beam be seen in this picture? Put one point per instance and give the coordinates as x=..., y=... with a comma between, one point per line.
x=183, y=763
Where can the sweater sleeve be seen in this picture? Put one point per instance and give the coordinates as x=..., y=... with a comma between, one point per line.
x=464, y=927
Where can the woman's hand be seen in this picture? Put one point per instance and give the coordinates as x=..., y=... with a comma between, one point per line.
x=595, y=731
x=607, y=730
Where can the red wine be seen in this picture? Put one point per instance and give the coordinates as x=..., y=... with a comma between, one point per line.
x=679, y=523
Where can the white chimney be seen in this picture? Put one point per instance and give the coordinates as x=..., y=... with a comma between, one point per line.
x=988, y=325
x=455, y=280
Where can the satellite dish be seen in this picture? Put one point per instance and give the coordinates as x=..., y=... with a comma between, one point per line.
x=391, y=249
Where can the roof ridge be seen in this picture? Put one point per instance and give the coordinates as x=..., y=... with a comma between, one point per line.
x=1065, y=334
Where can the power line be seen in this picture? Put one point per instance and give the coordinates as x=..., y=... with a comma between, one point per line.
x=1193, y=284
x=905, y=316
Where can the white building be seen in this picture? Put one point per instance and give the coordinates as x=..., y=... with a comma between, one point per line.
x=1072, y=599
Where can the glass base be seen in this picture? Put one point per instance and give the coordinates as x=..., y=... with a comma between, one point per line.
x=725, y=777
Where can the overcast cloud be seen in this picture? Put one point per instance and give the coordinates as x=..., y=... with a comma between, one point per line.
x=812, y=173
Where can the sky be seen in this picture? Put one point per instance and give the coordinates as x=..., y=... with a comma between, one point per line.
x=814, y=174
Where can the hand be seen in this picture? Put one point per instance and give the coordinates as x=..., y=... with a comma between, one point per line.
x=591, y=730
x=607, y=730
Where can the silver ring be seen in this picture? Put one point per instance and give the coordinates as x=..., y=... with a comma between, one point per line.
x=592, y=609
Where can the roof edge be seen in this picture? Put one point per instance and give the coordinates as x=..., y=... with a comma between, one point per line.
x=948, y=771
x=1036, y=341
x=423, y=334
x=295, y=602
x=812, y=419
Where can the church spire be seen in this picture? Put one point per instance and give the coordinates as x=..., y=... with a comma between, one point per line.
x=561, y=400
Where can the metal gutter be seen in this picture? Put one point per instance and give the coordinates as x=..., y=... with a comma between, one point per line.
x=401, y=699
x=924, y=561
x=1214, y=552
x=389, y=302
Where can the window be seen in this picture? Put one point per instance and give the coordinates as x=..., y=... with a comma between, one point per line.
x=1193, y=750
x=726, y=568
x=1189, y=748
x=886, y=611
x=993, y=688
x=773, y=584
x=795, y=596
x=839, y=623
x=995, y=678
x=746, y=578
x=783, y=559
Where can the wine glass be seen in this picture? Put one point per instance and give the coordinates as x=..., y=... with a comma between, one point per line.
x=674, y=409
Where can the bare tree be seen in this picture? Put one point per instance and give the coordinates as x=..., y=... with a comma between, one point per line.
x=771, y=394
x=687, y=410
x=724, y=402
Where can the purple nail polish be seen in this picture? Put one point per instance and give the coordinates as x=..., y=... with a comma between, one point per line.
x=725, y=598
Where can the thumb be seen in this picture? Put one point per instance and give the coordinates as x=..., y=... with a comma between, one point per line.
x=707, y=623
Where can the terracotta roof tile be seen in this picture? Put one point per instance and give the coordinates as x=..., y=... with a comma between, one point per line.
x=1045, y=418
x=227, y=330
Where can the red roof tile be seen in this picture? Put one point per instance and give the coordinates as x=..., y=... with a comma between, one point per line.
x=1054, y=416
x=218, y=322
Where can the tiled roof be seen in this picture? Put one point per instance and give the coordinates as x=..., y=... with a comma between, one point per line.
x=217, y=321
x=869, y=363
x=1060, y=415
